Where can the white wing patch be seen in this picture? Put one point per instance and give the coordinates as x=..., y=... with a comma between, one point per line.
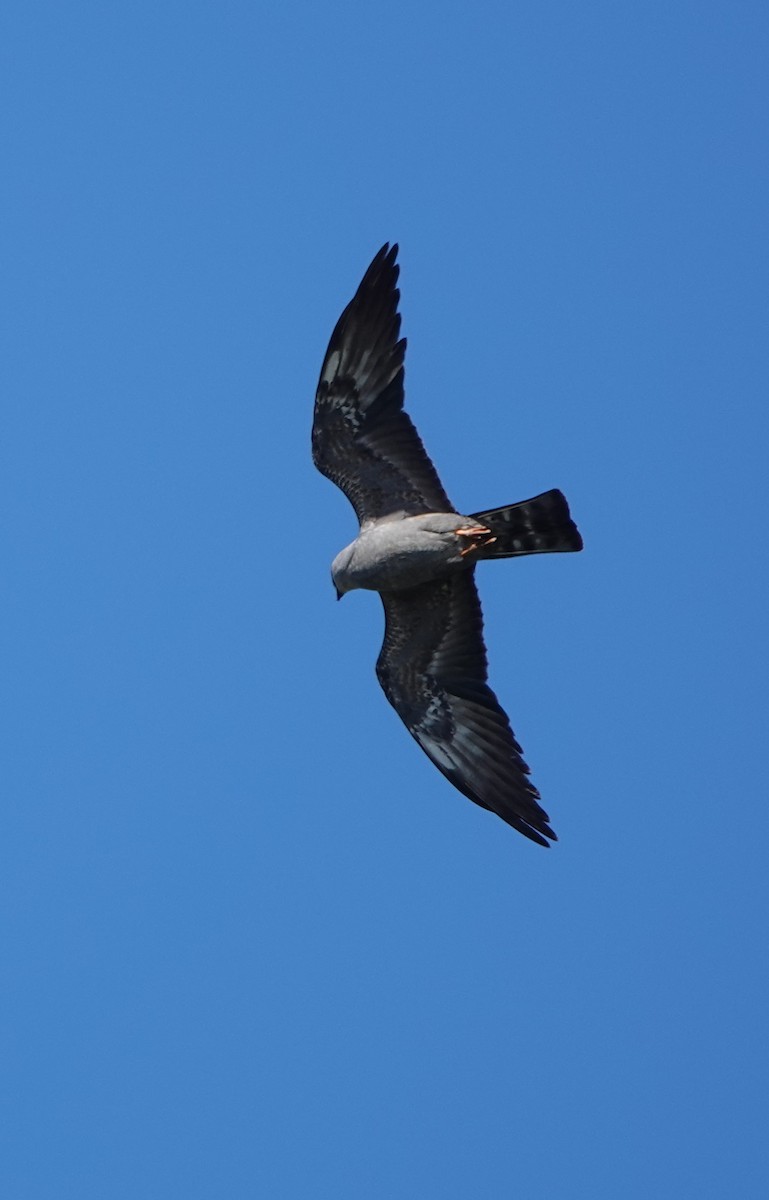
x=437, y=752
x=331, y=367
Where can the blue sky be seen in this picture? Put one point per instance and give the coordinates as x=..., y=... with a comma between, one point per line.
x=252, y=943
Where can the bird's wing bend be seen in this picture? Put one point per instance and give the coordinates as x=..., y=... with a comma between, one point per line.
x=433, y=670
x=361, y=437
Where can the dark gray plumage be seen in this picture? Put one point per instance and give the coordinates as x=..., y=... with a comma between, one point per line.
x=420, y=553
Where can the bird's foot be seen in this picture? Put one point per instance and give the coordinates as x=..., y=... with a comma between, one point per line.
x=472, y=531
x=480, y=538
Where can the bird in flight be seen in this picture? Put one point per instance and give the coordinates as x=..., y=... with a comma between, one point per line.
x=419, y=553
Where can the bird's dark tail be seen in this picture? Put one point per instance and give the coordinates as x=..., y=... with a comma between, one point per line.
x=537, y=526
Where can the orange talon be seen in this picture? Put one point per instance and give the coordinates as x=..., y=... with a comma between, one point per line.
x=476, y=545
x=473, y=531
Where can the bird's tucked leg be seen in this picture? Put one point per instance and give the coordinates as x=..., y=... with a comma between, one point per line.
x=480, y=536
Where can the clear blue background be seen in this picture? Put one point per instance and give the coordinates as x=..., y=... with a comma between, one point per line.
x=252, y=943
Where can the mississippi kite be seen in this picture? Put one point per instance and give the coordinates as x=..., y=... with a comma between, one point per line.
x=419, y=553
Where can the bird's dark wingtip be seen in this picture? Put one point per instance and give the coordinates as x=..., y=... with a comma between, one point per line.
x=534, y=836
x=387, y=254
x=539, y=832
x=381, y=277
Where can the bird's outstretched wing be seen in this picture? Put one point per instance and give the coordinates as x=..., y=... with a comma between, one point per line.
x=433, y=671
x=361, y=437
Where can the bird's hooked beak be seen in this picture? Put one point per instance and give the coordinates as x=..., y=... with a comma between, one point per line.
x=338, y=593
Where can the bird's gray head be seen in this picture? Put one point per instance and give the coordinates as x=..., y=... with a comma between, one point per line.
x=340, y=571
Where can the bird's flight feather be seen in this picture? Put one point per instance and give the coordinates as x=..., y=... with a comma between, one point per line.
x=361, y=437
x=432, y=668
